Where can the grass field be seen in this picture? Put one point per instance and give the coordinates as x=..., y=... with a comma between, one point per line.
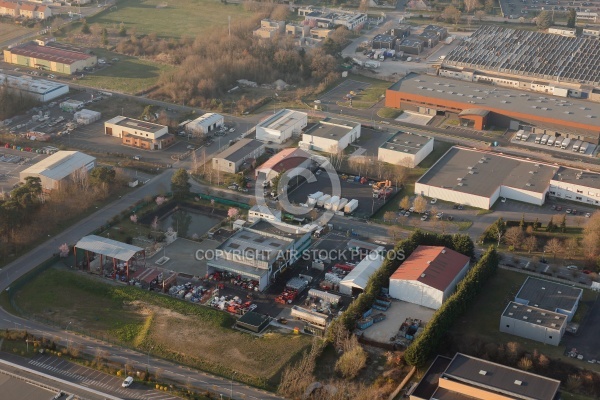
x=179, y=18
x=9, y=31
x=181, y=331
x=128, y=75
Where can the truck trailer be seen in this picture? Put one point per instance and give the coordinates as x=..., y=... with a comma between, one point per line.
x=565, y=143
x=341, y=205
x=583, y=147
x=306, y=315
x=331, y=203
x=576, y=145
x=313, y=198
x=351, y=206
x=323, y=199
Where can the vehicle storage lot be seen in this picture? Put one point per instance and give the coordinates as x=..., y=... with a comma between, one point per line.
x=591, y=150
x=367, y=205
x=339, y=92
x=12, y=162
x=94, y=379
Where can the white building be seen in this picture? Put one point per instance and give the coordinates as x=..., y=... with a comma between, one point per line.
x=356, y=281
x=533, y=323
x=479, y=178
x=258, y=212
x=404, y=148
x=58, y=167
x=292, y=161
x=142, y=134
x=576, y=185
x=86, y=117
x=549, y=295
x=429, y=276
x=232, y=159
x=567, y=32
x=281, y=126
x=329, y=18
x=71, y=105
x=40, y=89
x=330, y=135
x=591, y=31
x=205, y=124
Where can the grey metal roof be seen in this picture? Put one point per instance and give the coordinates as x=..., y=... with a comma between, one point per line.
x=474, y=111
x=240, y=150
x=501, y=379
x=535, y=316
x=549, y=295
x=331, y=129
x=29, y=84
x=481, y=173
x=108, y=247
x=59, y=165
x=527, y=53
x=578, y=177
x=477, y=95
x=406, y=142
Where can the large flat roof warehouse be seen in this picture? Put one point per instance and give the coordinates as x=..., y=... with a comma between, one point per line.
x=49, y=53
x=282, y=120
x=482, y=173
x=462, y=95
x=255, y=244
x=330, y=128
x=240, y=150
x=548, y=295
x=135, y=124
x=59, y=165
x=108, y=247
x=406, y=142
x=577, y=177
x=535, y=315
x=286, y=231
x=527, y=53
x=31, y=85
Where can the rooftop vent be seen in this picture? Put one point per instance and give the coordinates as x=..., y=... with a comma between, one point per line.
x=515, y=306
x=553, y=325
x=528, y=184
x=525, y=317
x=423, y=275
x=559, y=292
x=539, y=321
x=510, y=314
x=482, y=372
x=529, y=310
x=543, y=314
x=556, y=317
x=518, y=382
x=443, y=251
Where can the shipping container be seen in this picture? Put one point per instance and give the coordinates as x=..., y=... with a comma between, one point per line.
x=329, y=297
x=313, y=198
x=332, y=203
x=341, y=205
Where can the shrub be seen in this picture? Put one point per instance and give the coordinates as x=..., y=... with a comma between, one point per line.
x=351, y=362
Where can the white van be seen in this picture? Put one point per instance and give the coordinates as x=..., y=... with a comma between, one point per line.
x=127, y=382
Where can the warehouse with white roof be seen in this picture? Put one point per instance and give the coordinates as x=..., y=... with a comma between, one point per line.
x=281, y=126
x=40, y=89
x=206, y=123
x=58, y=167
x=356, y=281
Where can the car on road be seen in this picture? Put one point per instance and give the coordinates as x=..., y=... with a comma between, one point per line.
x=439, y=215
x=412, y=209
x=407, y=214
x=574, y=212
x=572, y=267
x=433, y=201
x=231, y=130
x=127, y=382
x=568, y=211
x=424, y=218
x=587, y=215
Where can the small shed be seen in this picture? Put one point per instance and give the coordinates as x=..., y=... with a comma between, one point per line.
x=253, y=322
x=86, y=117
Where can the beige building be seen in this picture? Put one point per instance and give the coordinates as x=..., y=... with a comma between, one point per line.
x=9, y=8
x=58, y=167
x=269, y=28
x=297, y=30
x=233, y=158
x=405, y=149
x=320, y=33
x=136, y=133
x=52, y=57
x=35, y=11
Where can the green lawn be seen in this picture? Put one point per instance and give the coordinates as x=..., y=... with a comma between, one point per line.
x=128, y=75
x=179, y=18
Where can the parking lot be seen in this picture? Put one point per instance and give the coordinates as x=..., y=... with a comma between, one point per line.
x=530, y=142
x=11, y=163
x=339, y=92
x=94, y=379
x=586, y=339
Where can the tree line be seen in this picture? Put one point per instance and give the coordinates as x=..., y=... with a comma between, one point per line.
x=14, y=103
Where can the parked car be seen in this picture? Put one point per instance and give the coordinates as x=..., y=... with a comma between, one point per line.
x=568, y=211
x=439, y=215
x=424, y=218
x=433, y=201
x=558, y=208
x=586, y=271
x=127, y=382
x=572, y=267
x=587, y=215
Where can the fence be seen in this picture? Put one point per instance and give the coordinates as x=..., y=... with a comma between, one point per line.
x=223, y=201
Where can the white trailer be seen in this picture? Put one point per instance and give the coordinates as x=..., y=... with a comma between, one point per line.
x=313, y=198
x=341, y=205
x=351, y=206
x=538, y=138
x=576, y=145
x=372, y=64
x=518, y=135
x=551, y=140
x=558, y=142
x=331, y=203
x=583, y=147
x=306, y=315
x=329, y=297
x=323, y=199
x=544, y=139
x=449, y=39
x=525, y=136
x=565, y=143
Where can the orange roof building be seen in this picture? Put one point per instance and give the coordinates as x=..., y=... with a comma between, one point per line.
x=292, y=160
x=428, y=276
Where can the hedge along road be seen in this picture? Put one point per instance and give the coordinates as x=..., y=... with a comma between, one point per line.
x=71, y=235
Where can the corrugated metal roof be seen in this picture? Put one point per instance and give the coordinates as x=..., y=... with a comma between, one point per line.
x=108, y=247
x=360, y=275
x=59, y=165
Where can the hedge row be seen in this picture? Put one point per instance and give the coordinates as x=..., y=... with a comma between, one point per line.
x=427, y=343
x=459, y=242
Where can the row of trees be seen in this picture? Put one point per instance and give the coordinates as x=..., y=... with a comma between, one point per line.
x=14, y=103
x=427, y=343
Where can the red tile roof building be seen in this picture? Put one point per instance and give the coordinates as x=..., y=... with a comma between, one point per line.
x=50, y=57
x=428, y=276
x=292, y=160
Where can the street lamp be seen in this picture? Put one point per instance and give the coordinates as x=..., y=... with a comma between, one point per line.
x=148, y=361
x=231, y=388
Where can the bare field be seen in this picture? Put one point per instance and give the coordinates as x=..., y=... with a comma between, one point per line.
x=9, y=31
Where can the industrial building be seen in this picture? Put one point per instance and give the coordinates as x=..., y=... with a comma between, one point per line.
x=40, y=89
x=258, y=212
x=269, y=29
x=49, y=57
x=405, y=148
x=480, y=106
x=479, y=178
x=400, y=31
x=100, y=252
x=325, y=18
x=253, y=322
x=593, y=31
x=410, y=45
x=529, y=54
x=291, y=160
x=205, y=124
x=244, y=151
x=86, y=117
x=384, y=42
x=356, y=281
x=549, y=295
x=281, y=126
x=260, y=252
x=467, y=377
x=560, y=30
x=136, y=133
x=440, y=31
x=330, y=135
x=533, y=323
x=429, y=38
x=429, y=276
x=57, y=168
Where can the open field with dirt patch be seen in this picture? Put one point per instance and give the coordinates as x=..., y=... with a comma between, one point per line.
x=184, y=332
x=9, y=31
x=170, y=18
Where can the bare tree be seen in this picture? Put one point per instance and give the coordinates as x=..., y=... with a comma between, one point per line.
x=571, y=247
x=471, y=5
x=514, y=237
x=451, y=14
x=554, y=247
x=404, y=203
x=81, y=178
x=591, y=237
x=530, y=243
x=395, y=232
x=480, y=15
x=420, y=204
x=389, y=216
